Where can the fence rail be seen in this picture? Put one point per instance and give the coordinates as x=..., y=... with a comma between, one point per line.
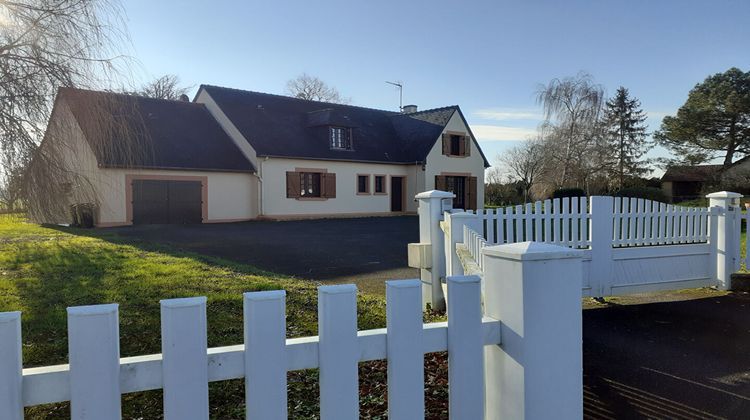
x=97, y=376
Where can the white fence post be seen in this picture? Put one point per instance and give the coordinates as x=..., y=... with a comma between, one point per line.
x=405, y=351
x=11, y=377
x=601, y=235
x=265, y=355
x=465, y=362
x=455, y=225
x=726, y=239
x=94, y=355
x=184, y=359
x=338, y=352
x=432, y=204
x=534, y=289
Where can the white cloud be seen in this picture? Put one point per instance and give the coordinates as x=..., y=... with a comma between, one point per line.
x=503, y=114
x=501, y=133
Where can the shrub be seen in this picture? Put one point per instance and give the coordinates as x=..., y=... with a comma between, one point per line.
x=569, y=192
x=649, y=193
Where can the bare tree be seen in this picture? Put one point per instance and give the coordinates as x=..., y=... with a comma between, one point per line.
x=168, y=87
x=45, y=45
x=572, y=108
x=526, y=162
x=313, y=89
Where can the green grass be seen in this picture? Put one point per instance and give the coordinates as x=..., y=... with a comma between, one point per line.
x=43, y=270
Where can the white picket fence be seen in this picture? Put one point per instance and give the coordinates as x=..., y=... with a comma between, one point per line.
x=630, y=245
x=97, y=376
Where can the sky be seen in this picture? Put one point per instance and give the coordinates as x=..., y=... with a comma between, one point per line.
x=489, y=57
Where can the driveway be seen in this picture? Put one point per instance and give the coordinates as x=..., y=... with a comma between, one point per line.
x=366, y=251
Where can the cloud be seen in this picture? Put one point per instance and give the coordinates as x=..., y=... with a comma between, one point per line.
x=503, y=114
x=501, y=133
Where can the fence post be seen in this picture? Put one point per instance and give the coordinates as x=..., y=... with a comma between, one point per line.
x=455, y=227
x=432, y=204
x=534, y=289
x=600, y=278
x=726, y=239
x=11, y=376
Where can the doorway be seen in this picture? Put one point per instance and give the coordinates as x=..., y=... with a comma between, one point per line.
x=397, y=193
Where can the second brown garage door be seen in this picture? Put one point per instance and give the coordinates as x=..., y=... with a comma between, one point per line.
x=167, y=202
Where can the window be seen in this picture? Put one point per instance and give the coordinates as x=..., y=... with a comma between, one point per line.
x=341, y=138
x=363, y=184
x=456, y=144
x=309, y=184
x=380, y=184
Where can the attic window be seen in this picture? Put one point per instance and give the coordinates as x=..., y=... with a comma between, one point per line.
x=341, y=138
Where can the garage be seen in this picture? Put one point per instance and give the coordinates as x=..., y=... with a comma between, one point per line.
x=167, y=202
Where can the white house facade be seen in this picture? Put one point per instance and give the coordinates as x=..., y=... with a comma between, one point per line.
x=233, y=155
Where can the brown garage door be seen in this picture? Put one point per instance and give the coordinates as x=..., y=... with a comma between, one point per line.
x=177, y=202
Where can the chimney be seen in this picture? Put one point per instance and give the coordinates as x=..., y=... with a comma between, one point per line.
x=184, y=98
x=409, y=109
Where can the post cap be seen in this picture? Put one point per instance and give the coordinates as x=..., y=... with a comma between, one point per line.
x=532, y=251
x=724, y=194
x=435, y=194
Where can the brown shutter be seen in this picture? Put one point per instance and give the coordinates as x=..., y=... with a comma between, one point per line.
x=446, y=144
x=467, y=146
x=328, y=185
x=471, y=193
x=441, y=183
x=293, y=185
x=462, y=146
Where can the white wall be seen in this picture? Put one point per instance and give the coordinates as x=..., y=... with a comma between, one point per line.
x=438, y=163
x=275, y=202
x=231, y=196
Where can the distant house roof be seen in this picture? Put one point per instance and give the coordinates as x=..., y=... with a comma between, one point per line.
x=283, y=126
x=688, y=173
x=168, y=134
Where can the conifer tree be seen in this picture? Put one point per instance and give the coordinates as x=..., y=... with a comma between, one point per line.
x=626, y=134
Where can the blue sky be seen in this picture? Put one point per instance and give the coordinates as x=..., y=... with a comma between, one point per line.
x=489, y=57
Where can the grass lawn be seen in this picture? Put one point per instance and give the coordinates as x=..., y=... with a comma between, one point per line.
x=43, y=270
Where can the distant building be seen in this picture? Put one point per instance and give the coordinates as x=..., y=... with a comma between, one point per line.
x=686, y=182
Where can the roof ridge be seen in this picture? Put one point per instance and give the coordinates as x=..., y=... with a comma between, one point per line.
x=127, y=95
x=454, y=107
x=298, y=99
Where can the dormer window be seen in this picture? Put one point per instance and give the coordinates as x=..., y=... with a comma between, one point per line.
x=341, y=138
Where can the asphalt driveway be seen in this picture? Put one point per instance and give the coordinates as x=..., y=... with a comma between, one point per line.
x=366, y=251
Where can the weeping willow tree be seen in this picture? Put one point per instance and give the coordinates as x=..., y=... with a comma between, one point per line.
x=572, y=110
x=45, y=45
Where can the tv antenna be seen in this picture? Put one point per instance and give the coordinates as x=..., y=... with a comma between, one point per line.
x=400, y=87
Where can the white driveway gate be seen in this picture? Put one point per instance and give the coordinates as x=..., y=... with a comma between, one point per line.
x=629, y=245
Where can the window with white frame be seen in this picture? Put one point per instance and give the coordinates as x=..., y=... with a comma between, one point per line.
x=341, y=138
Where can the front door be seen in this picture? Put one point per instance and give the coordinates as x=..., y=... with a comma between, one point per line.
x=397, y=193
x=457, y=185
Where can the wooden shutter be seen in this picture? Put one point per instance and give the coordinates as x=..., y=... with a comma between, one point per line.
x=471, y=193
x=446, y=144
x=467, y=146
x=462, y=146
x=441, y=182
x=328, y=185
x=293, y=185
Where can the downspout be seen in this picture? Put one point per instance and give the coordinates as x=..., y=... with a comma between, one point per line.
x=259, y=175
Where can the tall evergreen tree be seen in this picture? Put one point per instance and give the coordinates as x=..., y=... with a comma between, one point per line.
x=626, y=134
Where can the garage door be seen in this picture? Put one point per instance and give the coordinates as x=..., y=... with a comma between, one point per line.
x=177, y=202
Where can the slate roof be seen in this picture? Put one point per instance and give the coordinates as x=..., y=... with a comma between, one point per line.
x=172, y=134
x=688, y=173
x=283, y=126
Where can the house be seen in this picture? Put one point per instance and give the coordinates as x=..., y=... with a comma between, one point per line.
x=234, y=155
x=689, y=182
x=686, y=182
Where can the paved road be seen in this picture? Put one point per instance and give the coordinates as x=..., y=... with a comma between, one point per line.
x=367, y=251
x=683, y=359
